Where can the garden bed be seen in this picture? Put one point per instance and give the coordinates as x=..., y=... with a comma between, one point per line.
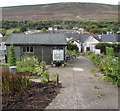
x=38, y=96
x=30, y=75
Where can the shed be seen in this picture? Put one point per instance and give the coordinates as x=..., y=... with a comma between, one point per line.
x=37, y=45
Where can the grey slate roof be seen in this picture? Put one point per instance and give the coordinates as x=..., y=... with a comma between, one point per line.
x=37, y=39
x=73, y=35
x=109, y=38
x=104, y=37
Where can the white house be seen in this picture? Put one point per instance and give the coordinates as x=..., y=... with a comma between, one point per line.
x=77, y=42
x=74, y=38
x=88, y=42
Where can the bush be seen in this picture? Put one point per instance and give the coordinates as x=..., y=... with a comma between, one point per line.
x=12, y=83
x=32, y=65
x=109, y=51
x=72, y=47
x=102, y=47
x=11, y=58
x=23, y=28
x=108, y=65
x=72, y=53
x=27, y=64
x=16, y=31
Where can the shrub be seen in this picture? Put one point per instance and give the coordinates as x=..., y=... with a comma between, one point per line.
x=45, y=77
x=102, y=47
x=72, y=53
x=108, y=65
x=109, y=51
x=11, y=58
x=32, y=65
x=50, y=78
x=27, y=64
x=12, y=83
x=87, y=53
x=16, y=31
x=23, y=28
x=72, y=47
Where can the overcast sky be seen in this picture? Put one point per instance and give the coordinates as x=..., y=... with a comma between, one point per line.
x=4, y=3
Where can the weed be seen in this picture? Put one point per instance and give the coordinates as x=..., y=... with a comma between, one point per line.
x=96, y=75
x=96, y=87
x=101, y=95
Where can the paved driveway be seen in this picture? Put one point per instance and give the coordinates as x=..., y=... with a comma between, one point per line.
x=82, y=89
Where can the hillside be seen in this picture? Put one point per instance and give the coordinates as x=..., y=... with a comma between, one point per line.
x=61, y=11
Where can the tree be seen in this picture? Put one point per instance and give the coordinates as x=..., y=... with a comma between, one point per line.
x=23, y=28
x=72, y=47
x=115, y=29
x=3, y=32
x=43, y=30
x=110, y=51
x=16, y=31
x=11, y=58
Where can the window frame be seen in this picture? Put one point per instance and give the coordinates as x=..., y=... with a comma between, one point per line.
x=27, y=49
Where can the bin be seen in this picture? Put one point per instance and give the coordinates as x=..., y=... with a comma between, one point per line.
x=13, y=69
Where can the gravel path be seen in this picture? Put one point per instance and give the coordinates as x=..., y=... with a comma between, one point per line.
x=83, y=89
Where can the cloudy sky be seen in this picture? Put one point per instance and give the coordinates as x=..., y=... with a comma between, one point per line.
x=4, y=3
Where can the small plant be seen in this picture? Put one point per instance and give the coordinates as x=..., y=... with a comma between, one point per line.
x=101, y=94
x=46, y=76
x=93, y=71
x=43, y=65
x=11, y=58
x=108, y=65
x=27, y=64
x=96, y=87
x=106, y=78
x=50, y=78
x=3, y=66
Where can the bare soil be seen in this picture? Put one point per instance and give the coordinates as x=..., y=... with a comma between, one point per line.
x=38, y=96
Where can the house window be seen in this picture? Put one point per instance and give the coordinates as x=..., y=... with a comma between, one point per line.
x=31, y=49
x=28, y=49
x=24, y=49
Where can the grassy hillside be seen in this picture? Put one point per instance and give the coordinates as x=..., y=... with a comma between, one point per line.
x=61, y=11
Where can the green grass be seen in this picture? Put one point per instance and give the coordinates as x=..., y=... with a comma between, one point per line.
x=10, y=31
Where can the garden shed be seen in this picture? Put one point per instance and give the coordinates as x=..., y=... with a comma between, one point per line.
x=37, y=45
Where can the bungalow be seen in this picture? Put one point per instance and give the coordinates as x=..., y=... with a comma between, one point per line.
x=74, y=38
x=88, y=42
x=91, y=40
x=37, y=45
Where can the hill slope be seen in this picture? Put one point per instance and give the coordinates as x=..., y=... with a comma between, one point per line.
x=61, y=11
